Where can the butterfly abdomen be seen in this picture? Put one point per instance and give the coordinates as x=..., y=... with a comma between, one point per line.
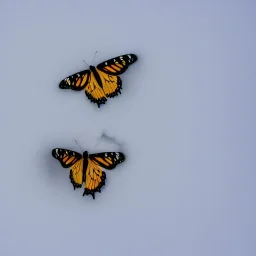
x=85, y=164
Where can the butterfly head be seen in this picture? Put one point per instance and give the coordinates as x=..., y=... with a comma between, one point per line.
x=85, y=154
x=92, y=68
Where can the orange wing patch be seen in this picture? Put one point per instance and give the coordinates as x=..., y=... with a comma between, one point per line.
x=94, y=179
x=81, y=81
x=107, y=68
x=105, y=161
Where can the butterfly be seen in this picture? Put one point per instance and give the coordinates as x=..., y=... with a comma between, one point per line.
x=100, y=82
x=87, y=168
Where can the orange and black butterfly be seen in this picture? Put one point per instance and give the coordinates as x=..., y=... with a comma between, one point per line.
x=100, y=82
x=87, y=168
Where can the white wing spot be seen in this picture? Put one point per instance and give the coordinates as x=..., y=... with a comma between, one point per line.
x=68, y=81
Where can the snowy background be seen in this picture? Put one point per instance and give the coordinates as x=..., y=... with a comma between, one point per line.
x=186, y=117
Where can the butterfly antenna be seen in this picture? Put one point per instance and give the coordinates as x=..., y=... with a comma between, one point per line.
x=86, y=63
x=94, y=57
x=98, y=142
x=79, y=146
x=111, y=139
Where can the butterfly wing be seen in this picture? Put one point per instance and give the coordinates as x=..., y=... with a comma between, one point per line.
x=94, y=179
x=77, y=81
x=117, y=65
x=72, y=160
x=95, y=176
x=107, y=160
x=111, y=85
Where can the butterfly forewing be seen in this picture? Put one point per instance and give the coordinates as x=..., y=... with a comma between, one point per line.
x=108, y=160
x=76, y=82
x=66, y=157
x=118, y=65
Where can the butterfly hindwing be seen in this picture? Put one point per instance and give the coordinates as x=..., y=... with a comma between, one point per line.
x=72, y=160
x=108, y=160
x=77, y=81
x=118, y=65
x=76, y=174
x=94, y=179
x=111, y=85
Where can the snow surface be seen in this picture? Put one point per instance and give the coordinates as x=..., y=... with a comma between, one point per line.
x=186, y=117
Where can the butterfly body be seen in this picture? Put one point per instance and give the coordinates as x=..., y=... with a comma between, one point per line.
x=100, y=82
x=96, y=75
x=87, y=168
